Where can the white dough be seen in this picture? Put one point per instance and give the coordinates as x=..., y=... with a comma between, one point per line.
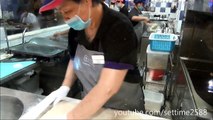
x=60, y=110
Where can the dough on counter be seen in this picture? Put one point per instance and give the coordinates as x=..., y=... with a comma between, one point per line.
x=62, y=108
x=128, y=117
x=137, y=116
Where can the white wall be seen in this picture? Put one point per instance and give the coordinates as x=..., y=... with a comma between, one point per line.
x=180, y=15
x=165, y=7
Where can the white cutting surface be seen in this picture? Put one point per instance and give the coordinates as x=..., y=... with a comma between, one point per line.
x=61, y=109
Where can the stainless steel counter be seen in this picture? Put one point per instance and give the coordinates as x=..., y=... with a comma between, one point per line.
x=28, y=99
x=196, y=102
x=187, y=97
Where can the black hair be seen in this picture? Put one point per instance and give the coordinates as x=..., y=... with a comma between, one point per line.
x=138, y=1
x=94, y=2
x=124, y=1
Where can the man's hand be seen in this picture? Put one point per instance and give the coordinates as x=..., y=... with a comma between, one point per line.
x=146, y=19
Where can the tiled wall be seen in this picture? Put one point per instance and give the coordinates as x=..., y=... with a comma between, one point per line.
x=163, y=6
x=166, y=7
x=180, y=15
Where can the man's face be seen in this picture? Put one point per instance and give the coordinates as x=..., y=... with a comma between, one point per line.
x=138, y=5
x=119, y=3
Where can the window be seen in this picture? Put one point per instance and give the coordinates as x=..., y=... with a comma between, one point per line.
x=15, y=15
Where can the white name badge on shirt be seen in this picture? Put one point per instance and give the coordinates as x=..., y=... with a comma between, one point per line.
x=98, y=59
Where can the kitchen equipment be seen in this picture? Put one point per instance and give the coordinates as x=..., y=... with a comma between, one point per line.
x=153, y=100
x=3, y=37
x=162, y=42
x=42, y=47
x=198, y=35
x=200, y=75
x=152, y=9
x=21, y=75
x=156, y=75
x=11, y=107
x=156, y=59
x=163, y=16
x=39, y=109
x=29, y=99
x=157, y=17
x=210, y=87
x=200, y=80
x=8, y=68
x=153, y=27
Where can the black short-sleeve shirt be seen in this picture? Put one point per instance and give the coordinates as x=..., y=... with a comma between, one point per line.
x=134, y=12
x=115, y=38
x=124, y=10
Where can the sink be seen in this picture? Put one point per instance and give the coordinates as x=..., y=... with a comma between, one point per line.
x=37, y=50
x=11, y=107
x=59, y=43
x=43, y=47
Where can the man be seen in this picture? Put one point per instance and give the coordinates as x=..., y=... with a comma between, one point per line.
x=136, y=11
x=113, y=5
x=102, y=58
x=122, y=7
x=28, y=18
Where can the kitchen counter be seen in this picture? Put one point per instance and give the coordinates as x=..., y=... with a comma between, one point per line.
x=29, y=100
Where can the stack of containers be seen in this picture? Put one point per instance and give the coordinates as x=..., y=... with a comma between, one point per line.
x=161, y=44
x=153, y=100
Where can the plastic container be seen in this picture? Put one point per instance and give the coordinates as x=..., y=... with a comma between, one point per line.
x=156, y=75
x=157, y=60
x=153, y=100
x=162, y=42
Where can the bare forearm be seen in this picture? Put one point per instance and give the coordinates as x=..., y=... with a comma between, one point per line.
x=109, y=83
x=139, y=18
x=91, y=103
x=70, y=76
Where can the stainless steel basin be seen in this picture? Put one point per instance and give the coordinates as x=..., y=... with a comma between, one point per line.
x=200, y=74
x=59, y=43
x=11, y=107
x=43, y=47
x=37, y=50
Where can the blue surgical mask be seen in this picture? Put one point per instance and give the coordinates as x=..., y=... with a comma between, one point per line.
x=119, y=5
x=140, y=8
x=77, y=23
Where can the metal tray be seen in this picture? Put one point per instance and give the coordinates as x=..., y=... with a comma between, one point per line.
x=42, y=47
